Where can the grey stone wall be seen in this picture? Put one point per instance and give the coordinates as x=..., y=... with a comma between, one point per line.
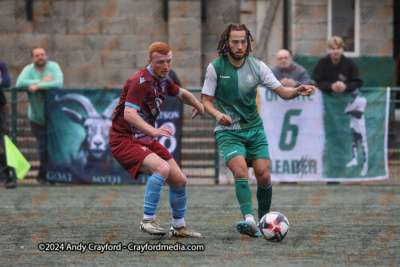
x=309, y=28
x=308, y=31
x=376, y=28
x=96, y=43
x=102, y=43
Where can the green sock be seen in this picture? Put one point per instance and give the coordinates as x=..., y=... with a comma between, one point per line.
x=243, y=195
x=264, y=198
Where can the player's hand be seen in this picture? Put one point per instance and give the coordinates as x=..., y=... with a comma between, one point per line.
x=223, y=119
x=33, y=88
x=48, y=78
x=162, y=131
x=305, y=90
x=197, y=112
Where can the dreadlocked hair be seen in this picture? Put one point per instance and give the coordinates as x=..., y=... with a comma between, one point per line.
x=223, y=46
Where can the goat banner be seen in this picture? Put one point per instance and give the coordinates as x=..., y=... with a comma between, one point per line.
x=78, y=129
x=327, y=137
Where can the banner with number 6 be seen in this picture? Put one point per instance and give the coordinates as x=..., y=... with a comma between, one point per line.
x=326, y=137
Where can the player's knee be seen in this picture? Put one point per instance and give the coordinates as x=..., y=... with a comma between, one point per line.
x=239, y=172
x=181, y=181
x=264, y=177
x=163, y=169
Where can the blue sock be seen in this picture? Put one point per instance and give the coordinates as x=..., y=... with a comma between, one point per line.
x=177, y=200
x=152, y=194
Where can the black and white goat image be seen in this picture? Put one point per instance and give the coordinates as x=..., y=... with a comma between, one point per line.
x=95, y=148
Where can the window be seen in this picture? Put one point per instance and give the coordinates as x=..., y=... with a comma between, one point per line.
x=344, y=21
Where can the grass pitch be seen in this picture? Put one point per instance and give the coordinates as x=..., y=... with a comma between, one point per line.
x=329, y=225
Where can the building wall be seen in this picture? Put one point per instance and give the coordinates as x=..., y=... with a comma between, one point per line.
x=102, y=43
x=96, y=43
x=309, y=28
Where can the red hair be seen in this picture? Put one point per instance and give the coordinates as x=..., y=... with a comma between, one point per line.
x=159, y=47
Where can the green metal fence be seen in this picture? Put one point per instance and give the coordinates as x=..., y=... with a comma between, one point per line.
x=200, y=156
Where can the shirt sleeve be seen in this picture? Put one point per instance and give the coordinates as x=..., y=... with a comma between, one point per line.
x=210, y=81
x=58, y=78
x=24, y=79
x=174, y=89
x=320, y=78
x=136, y=94
x=267, y=78
x=354, y=80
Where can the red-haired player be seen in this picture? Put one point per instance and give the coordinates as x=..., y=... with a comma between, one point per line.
x=133, y=139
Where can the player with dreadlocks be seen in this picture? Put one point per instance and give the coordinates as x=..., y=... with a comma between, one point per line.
x=229, y=94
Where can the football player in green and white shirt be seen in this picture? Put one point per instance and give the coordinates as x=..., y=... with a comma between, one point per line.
x=231, y=81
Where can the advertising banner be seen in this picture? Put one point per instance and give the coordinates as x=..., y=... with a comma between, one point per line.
x=327, y=137
x=78, y=127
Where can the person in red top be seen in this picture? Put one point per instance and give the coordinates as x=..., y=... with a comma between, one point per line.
x=133, y=139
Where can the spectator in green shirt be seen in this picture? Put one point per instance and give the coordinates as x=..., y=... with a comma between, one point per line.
x=40, y=75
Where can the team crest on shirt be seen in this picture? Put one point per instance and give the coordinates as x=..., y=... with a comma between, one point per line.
x=250, y=78
x=144, y=148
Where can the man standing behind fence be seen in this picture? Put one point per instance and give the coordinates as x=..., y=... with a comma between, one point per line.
x=40, y=75
x=231, y=81
x=289, y=73
x=335, y=72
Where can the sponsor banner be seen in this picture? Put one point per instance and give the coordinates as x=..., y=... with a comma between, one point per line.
x=78, y=128
x=327, y=137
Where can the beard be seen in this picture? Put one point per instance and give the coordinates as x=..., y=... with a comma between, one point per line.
x=40, y=64
x=234, y=56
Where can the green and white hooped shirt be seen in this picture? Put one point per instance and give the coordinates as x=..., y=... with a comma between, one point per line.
x=235, y=90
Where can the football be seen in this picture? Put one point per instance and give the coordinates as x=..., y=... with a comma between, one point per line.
x=274, y=226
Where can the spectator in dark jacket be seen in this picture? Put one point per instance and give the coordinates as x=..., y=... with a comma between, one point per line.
x=335, y=72
x=289, y=73
x=5, y=81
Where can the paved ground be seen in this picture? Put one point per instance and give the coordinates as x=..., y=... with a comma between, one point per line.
x=330, y=225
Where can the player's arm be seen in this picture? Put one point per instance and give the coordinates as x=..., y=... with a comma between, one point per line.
x=289, y=93
x=222, y=119
x=354, y=111
x=187, y=98
x=131, y=115
x=351, y=107
x=268, y=80
x=208, y=91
